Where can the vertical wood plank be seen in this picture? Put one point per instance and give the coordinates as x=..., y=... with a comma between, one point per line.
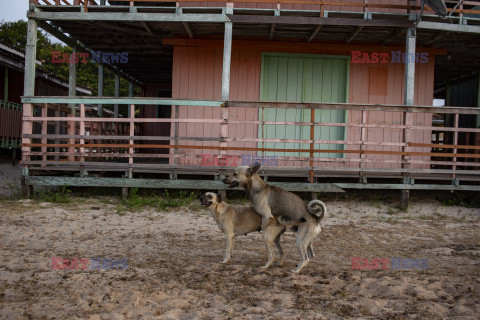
x=44, y=131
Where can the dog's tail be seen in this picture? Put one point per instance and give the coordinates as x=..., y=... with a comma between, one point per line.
x=318, y=209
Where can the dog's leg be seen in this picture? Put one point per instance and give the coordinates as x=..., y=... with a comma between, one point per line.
x=311, y=254
x=263, y=209
x=302, y=246
x=269, y=237
x=279, y=248
x=229, y=248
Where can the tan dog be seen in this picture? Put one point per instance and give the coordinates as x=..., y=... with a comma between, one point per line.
x=240, y=220
x=291, y=210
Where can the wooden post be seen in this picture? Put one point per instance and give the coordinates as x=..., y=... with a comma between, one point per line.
x=130, y=94
x=72, y=80
x=100, y=89
x=363, y=137
x=82, y=140
x=117, y=94
x=312, y=144
x=455, y=142
x=44, y=132
x=409, y=98
x=57, y=132
x=72, y=92
x=131, y=115
x=176, y=127
x=29, y=91
x=227, y=55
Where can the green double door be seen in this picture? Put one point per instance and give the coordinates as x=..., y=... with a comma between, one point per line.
x=303, y=78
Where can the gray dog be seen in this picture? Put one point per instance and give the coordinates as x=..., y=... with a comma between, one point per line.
x=240, y=220
x=292, y=211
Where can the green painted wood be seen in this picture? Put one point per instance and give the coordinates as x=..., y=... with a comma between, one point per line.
x=168, y=184
x=304, y=78
x=122, y=100
x=218, y=185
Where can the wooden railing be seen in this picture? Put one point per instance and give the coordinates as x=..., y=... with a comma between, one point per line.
x=10, y=124
x=352, y=5
x=196, y=144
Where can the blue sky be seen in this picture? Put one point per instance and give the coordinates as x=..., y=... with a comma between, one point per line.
x=13, y=10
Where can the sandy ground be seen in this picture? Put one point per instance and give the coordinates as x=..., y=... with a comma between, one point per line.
x=174, y=269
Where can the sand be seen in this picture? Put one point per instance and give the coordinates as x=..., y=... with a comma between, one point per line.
x=174, y=269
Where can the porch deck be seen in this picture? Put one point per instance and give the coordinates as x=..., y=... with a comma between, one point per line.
x=87, y=160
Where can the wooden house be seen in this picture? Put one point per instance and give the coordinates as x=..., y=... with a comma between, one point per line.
x=337, y=93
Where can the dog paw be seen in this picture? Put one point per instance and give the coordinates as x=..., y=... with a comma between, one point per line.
x=264, y=267
x=225, y=261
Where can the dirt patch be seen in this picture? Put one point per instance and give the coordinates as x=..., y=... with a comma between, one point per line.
x=174, y=269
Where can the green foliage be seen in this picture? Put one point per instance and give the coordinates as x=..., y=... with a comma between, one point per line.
x=15, y=35
x=169, y=200
x=60, y=195
x=15, y=191
x=179, y=199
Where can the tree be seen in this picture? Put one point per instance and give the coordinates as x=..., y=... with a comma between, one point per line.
x=15, y=35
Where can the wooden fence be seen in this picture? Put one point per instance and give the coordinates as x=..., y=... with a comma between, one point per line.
x=10, y=124
x=212, y=153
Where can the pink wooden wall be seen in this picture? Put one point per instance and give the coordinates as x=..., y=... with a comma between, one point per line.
x=197, y=73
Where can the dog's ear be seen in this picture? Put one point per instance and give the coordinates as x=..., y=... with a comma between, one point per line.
x=254, y=168
x=219, y=198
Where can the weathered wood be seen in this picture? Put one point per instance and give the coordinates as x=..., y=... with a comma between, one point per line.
x=100, y=88
x=127, y=16
x=314, y=33
x=167, y=183
x=122, y=100
x=72, y=80
x=117, y=94
x=296, y=20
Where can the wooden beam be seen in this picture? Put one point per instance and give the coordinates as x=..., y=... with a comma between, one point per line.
x=437, y=37
x=167, y=183
x=314, y=33
x=295, y=20
x=285, y=45
x=354, y=34
x=127, y=17
x=393, y=36
x=188, y=29
x=147, y=27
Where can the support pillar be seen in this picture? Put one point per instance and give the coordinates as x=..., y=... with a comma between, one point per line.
x=130, y=94
x=117, y=94
x=227, y=56
x=72, y=92
x=100, y=89
x=409, y=100
x=29, y=91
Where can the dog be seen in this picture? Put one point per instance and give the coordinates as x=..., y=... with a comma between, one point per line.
x=241, y=220
x=291, y=210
